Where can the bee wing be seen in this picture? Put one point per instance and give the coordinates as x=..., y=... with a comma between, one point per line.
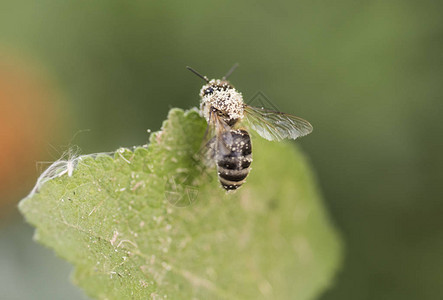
x=223, y=136
x=274, y=125
x=216, y=140
x=207, y=149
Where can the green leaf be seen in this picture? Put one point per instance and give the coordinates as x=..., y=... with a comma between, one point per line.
x=153, y=223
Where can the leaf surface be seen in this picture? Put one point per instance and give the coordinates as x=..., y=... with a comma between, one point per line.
x=153, y=223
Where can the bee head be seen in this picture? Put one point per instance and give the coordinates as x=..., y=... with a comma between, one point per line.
x=214, y=86
x=221, y=97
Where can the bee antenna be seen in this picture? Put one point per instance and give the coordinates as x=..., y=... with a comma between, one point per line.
x=232, y=69
x=198, y=74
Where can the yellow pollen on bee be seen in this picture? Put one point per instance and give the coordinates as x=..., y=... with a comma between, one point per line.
x=228, y=101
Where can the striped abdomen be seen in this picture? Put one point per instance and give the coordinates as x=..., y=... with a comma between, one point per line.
x=233, y=163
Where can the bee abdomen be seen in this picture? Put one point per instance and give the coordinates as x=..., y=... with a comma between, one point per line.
x=233, y=167
x=233, y=175
x=235, y=163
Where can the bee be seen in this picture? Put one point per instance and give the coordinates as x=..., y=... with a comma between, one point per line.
x=226, y=142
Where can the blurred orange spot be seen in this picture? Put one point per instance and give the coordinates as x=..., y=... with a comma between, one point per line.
x=29, y=121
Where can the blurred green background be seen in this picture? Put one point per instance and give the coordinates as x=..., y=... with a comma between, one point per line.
x=367, y=74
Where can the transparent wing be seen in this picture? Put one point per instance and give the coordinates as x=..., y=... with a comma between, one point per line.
x=207, y=151
x=276, y=126
x=223, y=137
x=216, y=140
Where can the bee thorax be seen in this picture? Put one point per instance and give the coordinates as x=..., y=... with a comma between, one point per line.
x=222, y=97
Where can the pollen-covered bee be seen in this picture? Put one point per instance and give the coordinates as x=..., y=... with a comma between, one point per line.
x=229, y=145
